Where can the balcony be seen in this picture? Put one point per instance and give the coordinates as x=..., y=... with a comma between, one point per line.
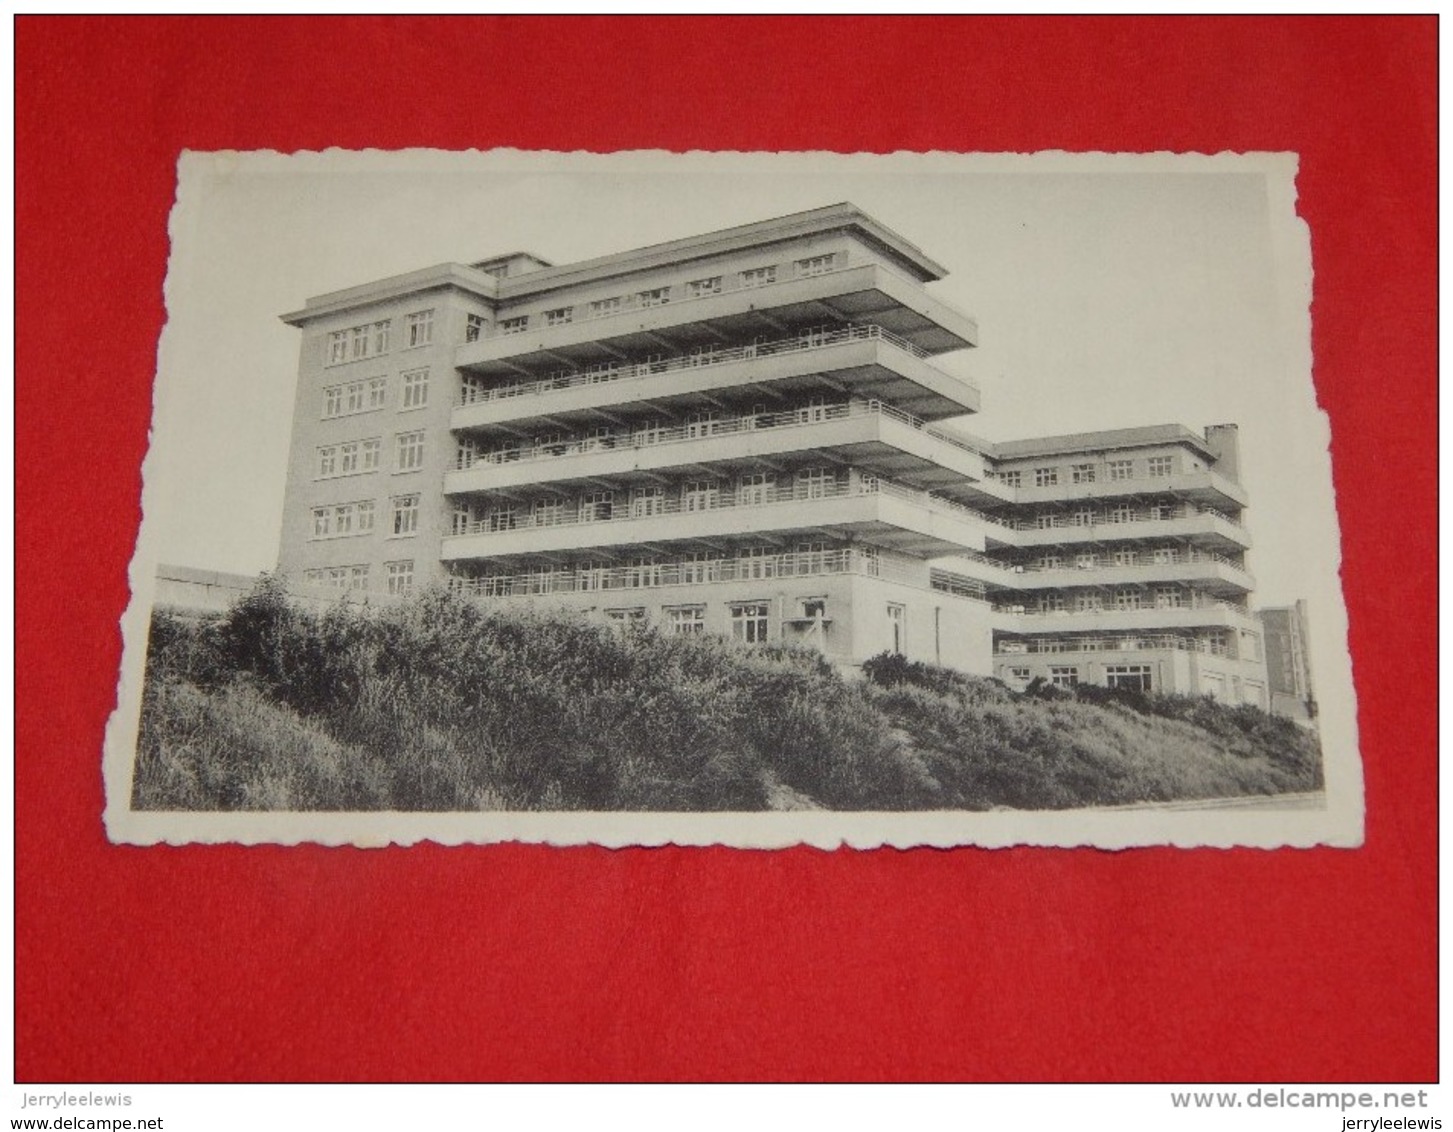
x=1210, y=489
x=860, y=293
x=1059, y=646
x=1200, y=613
x=1207, y=569
x=700, y=571
x=881, y=514
x=869, y=435
x=867, y=361
x=1202, y=526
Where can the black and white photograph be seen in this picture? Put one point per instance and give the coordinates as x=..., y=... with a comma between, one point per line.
x=741, y=499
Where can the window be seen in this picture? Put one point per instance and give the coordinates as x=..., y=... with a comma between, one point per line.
x=1044, y=522
x=1127, y=599
x=1121, y=469
x=897, y=628
x=517, y=325
x=1082, y=473
x=354, y=397
x=755, y=488
x=418, y=329
x=656, y=297
x=1089, y=601
x=757, y=562
x=405, y=514
x=600, y=308
x=1084, y=517
x=816, y=483
x=357, y=342
x=811, y=557
x=1017, y=673
x=1052, y=602
x=416, y=389
x=548, y=512
x=1064, y=676
x=699, y=495
x=649, y=432
x=328, y=461
x=759, y=276
x=700, y=288
x=815, y=410
x=646, y=501
x=409, y=451
x=596, y=505
x=1133, y=676
x=474, y=327
x=1050, y=562
x=1165, y=555
x=814, y=265
x=1122, y=513
x=1086, y=561
x=339, y=577
x=1218, y=644
x=333, y=401
x=1125, y=558
x=349, y=458
x=371, y=449
x=700, y=566
x=343, y=519
x=1046, y=477
x=1011, y=479
x=380, y=336
x=1170, y=597
x=377, y=392
x=337, y=347
x=503, y=518
x=559, y=316
x=701, y=423
x=1158, y=466
x=684, y=621
x=400, y=576
x=749, y=621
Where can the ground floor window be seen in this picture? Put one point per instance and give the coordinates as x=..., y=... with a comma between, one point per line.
x=636, y=616
x=749, y=621
x=1133, y=676
x=400, y=576
x=686, y=620
x=1064, y=676
x=1019, y=674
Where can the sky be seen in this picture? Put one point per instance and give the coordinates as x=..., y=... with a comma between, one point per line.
x=1109, y=291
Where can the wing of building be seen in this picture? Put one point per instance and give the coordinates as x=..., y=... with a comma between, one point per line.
x=741, y=433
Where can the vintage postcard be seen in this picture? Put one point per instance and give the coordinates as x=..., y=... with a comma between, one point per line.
x=742, y=499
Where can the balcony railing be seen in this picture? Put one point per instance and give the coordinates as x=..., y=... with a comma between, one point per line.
x=1140, y=561
x=1059, y=645
x=720, y=499
x=704, y=430
x=703, y=571
x=765, y=278
x=1195, y=599
x=714, y=356
x=1085, y=519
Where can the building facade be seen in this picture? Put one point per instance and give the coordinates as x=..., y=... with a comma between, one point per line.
x=1289, y=661
x=742, y=433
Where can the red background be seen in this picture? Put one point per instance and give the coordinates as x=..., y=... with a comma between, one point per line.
x=531, y=963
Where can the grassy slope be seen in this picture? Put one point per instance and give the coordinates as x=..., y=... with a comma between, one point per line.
x=440, y=705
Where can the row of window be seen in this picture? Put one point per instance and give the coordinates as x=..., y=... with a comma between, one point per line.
x=1156, y=467
x=1157, y=556
x=603, y=504
x=399, y=577
x=372, y=339
x=369, y=394
x=654, y=297
x=342, y=520
x=1117, y=513
x=1135, y=676
x=355, y=457
x=1092, y=601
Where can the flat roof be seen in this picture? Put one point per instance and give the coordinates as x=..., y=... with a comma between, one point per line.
x=1100, y=441
x=797, y=225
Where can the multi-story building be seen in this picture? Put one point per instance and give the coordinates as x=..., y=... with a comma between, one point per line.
x=740, y=433
x=1289, y=661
